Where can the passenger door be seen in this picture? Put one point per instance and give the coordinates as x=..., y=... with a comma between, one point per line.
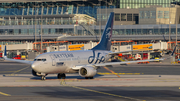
x=53, y=60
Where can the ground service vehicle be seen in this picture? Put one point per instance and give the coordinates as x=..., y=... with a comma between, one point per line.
x=17, y=57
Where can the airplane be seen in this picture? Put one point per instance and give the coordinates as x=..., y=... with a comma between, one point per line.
x=84, y=62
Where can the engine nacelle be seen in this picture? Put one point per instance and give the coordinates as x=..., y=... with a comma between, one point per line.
x=87, y=71
x=35, y=73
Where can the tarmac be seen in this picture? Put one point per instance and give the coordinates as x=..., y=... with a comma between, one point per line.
x=134, y=82
x=26, y=80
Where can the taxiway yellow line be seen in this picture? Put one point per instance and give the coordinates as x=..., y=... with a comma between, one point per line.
x=6, y=71
x=20, y=70
x=4, y=94
x=119, y=73
x=112, y=72
x=46, y=80
x=62, y=82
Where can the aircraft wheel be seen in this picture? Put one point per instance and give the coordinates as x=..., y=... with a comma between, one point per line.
x=43, y=78
x=86, y=77
x=61, y=76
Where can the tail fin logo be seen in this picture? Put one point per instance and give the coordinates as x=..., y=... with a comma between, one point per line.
x=108, y=33
x=105, y=42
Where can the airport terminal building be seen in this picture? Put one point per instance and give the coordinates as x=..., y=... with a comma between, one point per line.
x=75, y=16
x=78, y=21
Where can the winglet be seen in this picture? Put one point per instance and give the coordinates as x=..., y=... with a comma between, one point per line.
x=174, y=51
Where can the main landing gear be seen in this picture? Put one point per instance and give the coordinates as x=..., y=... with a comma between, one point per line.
x=89, y=77
x=61, y=76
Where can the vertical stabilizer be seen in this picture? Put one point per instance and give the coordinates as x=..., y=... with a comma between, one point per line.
x=105, y=43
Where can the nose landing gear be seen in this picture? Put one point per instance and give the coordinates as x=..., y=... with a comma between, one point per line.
x=43, y=78
x=61, y=76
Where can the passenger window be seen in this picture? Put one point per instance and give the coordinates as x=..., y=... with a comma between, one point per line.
x=60, y=63
x=35, y=59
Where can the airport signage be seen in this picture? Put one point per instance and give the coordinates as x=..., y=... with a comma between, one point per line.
x=76, y=47
x=143, y=47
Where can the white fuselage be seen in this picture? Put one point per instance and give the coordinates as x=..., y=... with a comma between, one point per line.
x=64, y=61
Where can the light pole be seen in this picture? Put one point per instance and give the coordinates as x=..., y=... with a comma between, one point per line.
x=176, y=22
x=170, y=22
x=41, y=27
x=176, y=27
x=100, y=19
x=35, y=26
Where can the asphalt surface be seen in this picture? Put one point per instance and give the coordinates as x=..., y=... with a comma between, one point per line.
x=143, y=69
x=91, y=93
x=132, y=74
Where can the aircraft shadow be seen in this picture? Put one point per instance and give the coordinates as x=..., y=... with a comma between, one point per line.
x=67, y=77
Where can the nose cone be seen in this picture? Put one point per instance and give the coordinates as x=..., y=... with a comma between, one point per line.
x=35, y=67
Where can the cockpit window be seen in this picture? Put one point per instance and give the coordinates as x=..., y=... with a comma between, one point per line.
x=43, y=59
x=39, y=59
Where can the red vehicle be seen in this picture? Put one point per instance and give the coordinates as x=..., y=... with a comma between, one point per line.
x=0, y=55
x=145, y=62
x=17, y=57
x=145, y=56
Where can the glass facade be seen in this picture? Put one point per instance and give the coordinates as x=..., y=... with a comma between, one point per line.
x=67, y=28
x=26, y=26
x=50, y=8
x=152, y=14
x=141, y=3
x=160, y=14
x=166, y=14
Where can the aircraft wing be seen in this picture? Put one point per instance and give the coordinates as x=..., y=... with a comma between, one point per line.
x=20, y=61
x=118, y=63
x=113, y=63
x=123, y=52
x=14, y=60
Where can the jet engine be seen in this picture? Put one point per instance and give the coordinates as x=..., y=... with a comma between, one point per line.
x=87, y=71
